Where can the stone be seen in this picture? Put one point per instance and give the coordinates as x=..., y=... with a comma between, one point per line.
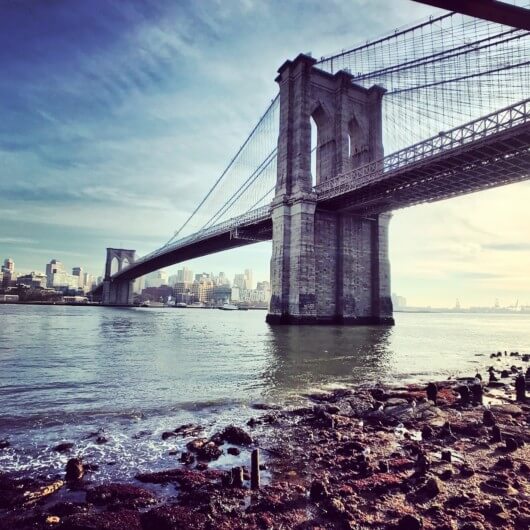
x=477, y=392
x=74, y=469
x=100, y=440
x=209, y=451
x=505, y=374
x=432, y=392
x=520, y=388
x=233, y=451
x=236, y=435
x=464, y=394
x=446, y=455
x=488, y=419
x=427, y=432
x=63, y=447
x=187, y=458
x=318, y=491
x=431, y=488
x=511, y=444
x=168, y=434
x=123, y=495
x=410, y=522
x=4, y=443
x=237, y=477
x=496, y=434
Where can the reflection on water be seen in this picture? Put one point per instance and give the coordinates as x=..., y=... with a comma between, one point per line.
x=301, y=357
x=69, y=371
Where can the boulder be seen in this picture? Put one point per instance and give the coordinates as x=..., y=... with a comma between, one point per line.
x=236, y=435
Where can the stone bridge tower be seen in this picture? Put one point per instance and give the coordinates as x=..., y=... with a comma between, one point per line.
x=118, y=292
x=326, y=266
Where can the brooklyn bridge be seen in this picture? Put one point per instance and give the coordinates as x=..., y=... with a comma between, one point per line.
x=447, y=98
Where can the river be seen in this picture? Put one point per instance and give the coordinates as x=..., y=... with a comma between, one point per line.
x=131, y=373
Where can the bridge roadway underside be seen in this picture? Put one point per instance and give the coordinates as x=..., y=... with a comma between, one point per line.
x=261, y=231
x=501, y=159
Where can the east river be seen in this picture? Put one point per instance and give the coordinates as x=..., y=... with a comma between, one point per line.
x=70, y=374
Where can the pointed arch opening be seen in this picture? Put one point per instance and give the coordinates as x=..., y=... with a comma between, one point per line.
x=114, y=265
x=322, y=146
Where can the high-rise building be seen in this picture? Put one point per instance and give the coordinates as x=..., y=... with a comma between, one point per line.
x=239, y=281
x=249, y=280
x=8, y=266
x=185, y=275
x=203, y=288
x=78, y=271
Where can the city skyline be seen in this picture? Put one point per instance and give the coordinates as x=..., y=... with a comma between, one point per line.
x=75, y=167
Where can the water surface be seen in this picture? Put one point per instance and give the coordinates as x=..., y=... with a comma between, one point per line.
x=131, y=373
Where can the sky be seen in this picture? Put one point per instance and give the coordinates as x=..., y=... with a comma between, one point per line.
x=117, y=117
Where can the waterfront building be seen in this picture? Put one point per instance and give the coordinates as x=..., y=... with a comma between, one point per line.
x=234, y=294
x=59, y=279
x=239, y=281
x=8, y=273
x=183, y=292
x=203, y=288
x=33, y=280
x=221, y=294
x=249, y=280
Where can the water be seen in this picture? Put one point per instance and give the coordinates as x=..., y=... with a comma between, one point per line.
x=132, y=373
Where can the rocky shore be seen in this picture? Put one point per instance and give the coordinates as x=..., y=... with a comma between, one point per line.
x=451, y=454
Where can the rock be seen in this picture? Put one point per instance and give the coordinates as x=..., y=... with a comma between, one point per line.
x=431, y=488
x=446, y=455
x=511, y=444
x=335, y=507
x=236, y=435
x=237, y=477
x=217, y=439
x=170, y=517
x=112, y=520
x=195, y=445
x=63, y=447
x=488, y=419
x=187, y=458
x=464, y=394
x=467, y=471
x=410, y=522
x=477, y=393
x=4, y=443
x=520, y=388
x=496, y=434
x=524, y=468
x=100, y=440
x=74, y=469
x=123, y=495
x=505, y=462
x=432, y=392
x=318, y=491
x=447, y=474
x=427, y=432
x=493, y=508
x=505, y=374
x=233, y=451
x=383, y=466
x=188, y=429
x=168, y=434
x=209, y=451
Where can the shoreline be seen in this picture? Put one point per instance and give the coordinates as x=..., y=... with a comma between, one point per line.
x=369, y=457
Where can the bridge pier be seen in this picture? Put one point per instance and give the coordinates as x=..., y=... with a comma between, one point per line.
x=117, y=292
x=326, y=266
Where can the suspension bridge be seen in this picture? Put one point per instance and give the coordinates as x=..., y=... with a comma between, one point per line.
x=447, y=98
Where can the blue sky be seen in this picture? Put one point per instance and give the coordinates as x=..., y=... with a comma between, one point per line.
x=117, y=117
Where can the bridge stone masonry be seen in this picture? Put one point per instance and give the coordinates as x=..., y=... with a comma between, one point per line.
x=118, y=292
x=326, y=266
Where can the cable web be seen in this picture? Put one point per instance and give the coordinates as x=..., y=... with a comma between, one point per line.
x=438, y=74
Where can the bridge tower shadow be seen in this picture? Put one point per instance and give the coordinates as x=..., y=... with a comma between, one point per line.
x=327, y=266
x=117, y=292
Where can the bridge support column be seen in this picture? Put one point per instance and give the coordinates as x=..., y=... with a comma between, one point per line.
x=327, y=266
x=117, y=292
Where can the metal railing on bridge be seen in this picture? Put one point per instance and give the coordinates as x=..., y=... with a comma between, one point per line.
x=484, y=127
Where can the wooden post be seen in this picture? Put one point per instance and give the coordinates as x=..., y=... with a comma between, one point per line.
x=254, y=470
